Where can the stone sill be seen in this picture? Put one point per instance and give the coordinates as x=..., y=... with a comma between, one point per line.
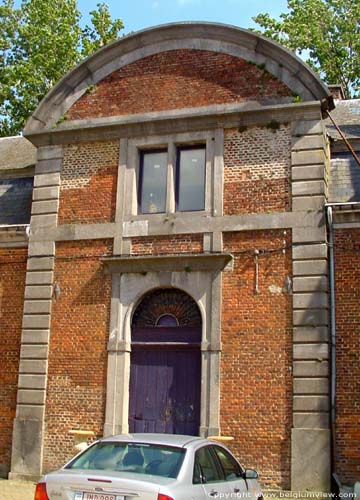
x=15, y=235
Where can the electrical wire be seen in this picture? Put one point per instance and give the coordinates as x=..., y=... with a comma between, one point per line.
x=248, y=251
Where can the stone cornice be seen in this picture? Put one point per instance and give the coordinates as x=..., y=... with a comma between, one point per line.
x=175, y=121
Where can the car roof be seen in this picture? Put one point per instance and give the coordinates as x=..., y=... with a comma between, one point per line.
x=161, y=439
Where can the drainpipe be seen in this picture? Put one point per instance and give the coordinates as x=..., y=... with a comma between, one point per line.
x=329, y=214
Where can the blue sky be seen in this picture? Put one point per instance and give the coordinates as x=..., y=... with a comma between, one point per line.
x=139, y=14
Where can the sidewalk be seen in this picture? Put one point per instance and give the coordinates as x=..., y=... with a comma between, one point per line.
x=16, y=490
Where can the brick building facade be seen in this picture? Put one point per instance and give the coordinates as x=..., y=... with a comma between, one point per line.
x=231, y=235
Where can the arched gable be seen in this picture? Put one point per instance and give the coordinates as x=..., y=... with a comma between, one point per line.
x=236, y=44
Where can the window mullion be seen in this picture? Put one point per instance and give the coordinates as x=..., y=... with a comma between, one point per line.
x=170, y=190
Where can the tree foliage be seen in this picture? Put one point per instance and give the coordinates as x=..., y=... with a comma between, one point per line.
x=39, y=42
x=327, y=32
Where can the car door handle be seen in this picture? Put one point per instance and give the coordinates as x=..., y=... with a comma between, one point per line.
x=236, y=490
x=213, y=493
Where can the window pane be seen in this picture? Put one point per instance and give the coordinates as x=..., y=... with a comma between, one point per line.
x=153, y=178
x=209, y=471
x=141, y=458
x=191, y=179
x=230, y=466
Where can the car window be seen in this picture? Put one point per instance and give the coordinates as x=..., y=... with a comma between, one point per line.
x=231, y=468
x=205, y=467
x=197, y=473
x=140, y=458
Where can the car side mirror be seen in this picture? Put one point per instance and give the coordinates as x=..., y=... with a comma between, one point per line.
x=251, y=474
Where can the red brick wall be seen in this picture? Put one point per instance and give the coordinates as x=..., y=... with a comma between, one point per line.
x=256, y=378
x=347, y=296
x=177, y=79
x=78, y=355
x=257, y=170
x=12, y=286
x=157, y=245
x=88, y=183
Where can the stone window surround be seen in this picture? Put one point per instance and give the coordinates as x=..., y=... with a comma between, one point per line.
x=169, y=142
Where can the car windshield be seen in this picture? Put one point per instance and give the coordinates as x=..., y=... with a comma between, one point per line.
x=141, y=458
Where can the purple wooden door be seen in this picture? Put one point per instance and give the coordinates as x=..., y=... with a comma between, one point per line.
x=165, y=385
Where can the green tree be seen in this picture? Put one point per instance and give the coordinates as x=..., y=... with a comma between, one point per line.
x=327, y=32
x=39, y=42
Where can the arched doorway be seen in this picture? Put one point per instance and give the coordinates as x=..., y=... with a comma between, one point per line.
x=165, y=372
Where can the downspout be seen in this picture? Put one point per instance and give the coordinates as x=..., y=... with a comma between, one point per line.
x=329, y=215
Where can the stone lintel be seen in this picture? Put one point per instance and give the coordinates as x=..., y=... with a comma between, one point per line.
x=173, y=263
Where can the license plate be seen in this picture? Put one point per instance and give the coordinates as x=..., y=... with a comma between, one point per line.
x=97, y=496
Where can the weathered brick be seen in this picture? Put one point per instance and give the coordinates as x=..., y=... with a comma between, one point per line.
x=12, y=286
x=257, y=170
x=256, y=378
x=347, y=285
x=177, y=79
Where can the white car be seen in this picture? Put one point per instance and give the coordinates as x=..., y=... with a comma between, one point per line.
x=151, y=467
